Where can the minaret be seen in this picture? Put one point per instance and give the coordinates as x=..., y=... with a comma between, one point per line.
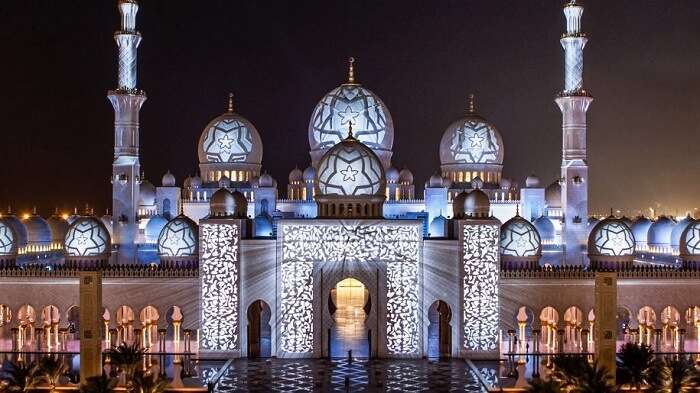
x=126, y=100
x=573, y=102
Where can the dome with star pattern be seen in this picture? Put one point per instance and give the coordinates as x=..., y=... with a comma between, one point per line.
x=350, y=168
x=611, y=237
x=179, y=238
x=690, y=240
x=519, y=239
x=8, y=241
x=351, y=103
x=87, y=236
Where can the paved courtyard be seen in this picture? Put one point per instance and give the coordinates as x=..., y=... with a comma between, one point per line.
x=321, y=375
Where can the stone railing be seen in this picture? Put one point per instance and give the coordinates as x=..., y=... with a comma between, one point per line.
x=116, y=271
x=581, y=273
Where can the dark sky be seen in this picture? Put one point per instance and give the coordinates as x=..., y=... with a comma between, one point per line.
x=421, y=58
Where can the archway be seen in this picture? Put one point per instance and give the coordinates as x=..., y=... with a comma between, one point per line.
x=149, y=317
x=259, y=330
x=670, y=325
x=26, y=317
x=125, y=324
x=647, y=324
x=549, y=318
x=574, y=324
x=349, y=304
x=439, y=330
x=624, y=320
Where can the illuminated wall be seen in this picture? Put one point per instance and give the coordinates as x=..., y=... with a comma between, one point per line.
x=396, y=248
x=480, y=271
x=219, y=286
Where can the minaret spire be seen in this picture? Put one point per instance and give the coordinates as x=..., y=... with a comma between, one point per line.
x=229, y=109
x=351, y=70
x=573, y=101
x=126, y=100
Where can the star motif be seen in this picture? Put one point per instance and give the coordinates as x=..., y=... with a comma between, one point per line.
x=476, y=140
x=82, y=239
x=349, y=173
x=225, y=142
x=348, y=116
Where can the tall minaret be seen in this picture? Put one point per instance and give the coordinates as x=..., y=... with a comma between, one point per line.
x=573, y=102
x=126, y=100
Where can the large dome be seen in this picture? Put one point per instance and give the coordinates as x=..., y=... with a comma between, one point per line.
x=351, y=103
x=520, y=239
x=153, y=228
x=545, y=228
x=59, y=228
x=552, y=195
x=471, y=144
x=350, y=169
x=640, y=229
x=690, y=240
x=87, y=237
x=659, y=234
x=611, y=237
x=18, y=228
x=38, y=230
x=147, y=194
x=179, y=238
x=678, y=230
x=229, y=142
x=8, y=240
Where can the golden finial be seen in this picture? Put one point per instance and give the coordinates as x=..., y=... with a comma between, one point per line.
x=471, y=105
x=34, y=210
x=350, y=136
x=230, y=103
x=351, y=70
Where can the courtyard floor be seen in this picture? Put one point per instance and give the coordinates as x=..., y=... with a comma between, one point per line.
x=322, y=375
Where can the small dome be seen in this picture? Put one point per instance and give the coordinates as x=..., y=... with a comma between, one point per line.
x=519, y=239
x=38, y=230
x=458, y=204
x=168, y=180
x=532, y=181
x=8, y=243
x=435, y=181
x=266, y=180
x=154, y=227
x=147, y=194
x=690, y=240
x=505, y=183
x=87, y=237
x=552, y=195
x=351, y=169
x=678, y=230
x=196, y=182
x=392, y=175
x=309, y=174
x=224, y=182
x=59, y=228
x=477, y=183
x=477, y=204
x=241, y=204
x=545, y=228
x=659, y=234
x=640, y=229
x=179, y=238
x=222, y=204
x=405, y=176
x=19, y=229
x=295, y=175
x=612, y=238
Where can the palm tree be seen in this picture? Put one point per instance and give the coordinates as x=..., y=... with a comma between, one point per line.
x=145, y=382
x=49, y=370
x=17, y=375
x=594, y=379
x=676, y=376
x=127, y=359
x=568, y=369
x=541, y=386
x=635, y=364
x=98, y=384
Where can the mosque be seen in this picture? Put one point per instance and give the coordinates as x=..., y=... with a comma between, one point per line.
x=353, y=255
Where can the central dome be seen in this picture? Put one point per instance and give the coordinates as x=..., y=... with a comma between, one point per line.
x=231, y=146
x=350, y=103
x=470, y=147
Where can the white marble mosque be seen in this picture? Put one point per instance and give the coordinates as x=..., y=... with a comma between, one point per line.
x=355, y=254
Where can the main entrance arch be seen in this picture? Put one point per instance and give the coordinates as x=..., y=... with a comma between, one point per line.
x=259, y=330
x=439, y=330
x=349, y=304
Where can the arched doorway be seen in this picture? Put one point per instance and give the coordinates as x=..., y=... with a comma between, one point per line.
x=439, y=330
x=349, y=304
x=259, y=330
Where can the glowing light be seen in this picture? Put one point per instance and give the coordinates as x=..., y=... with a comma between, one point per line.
x=65, y=216
x=228, y=139
x=350, y=169
x=480, y=286
x=87, y=237
x=471, y=142
x=219, y=283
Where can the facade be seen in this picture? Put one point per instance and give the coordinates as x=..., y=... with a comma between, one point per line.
x=354, y=245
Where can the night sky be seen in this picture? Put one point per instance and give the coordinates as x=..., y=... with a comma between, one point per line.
x=421, y=58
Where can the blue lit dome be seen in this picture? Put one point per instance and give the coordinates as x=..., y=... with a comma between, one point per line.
x=154, y=227
x=8, y=243
x=678, y=230
x=406, y=176
x=545, y=228
x=19, y=229
x=611, y=237
x=659, y=234
x=640, y=229
x=520, y=239
x=179, y=238
x=532, y=181
x=265, y=180
x=263, y=225
x=87, y=237
x=351, y=103
x=392, y=175
x=168, y=180
x=435, y=181
x=296, y=175
x=471, y=143
x=552, y=195
x=309, y=174
x=350, y=169
x=690, y=240
x=147, y=193
x=38, y=230
x=59, y=228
